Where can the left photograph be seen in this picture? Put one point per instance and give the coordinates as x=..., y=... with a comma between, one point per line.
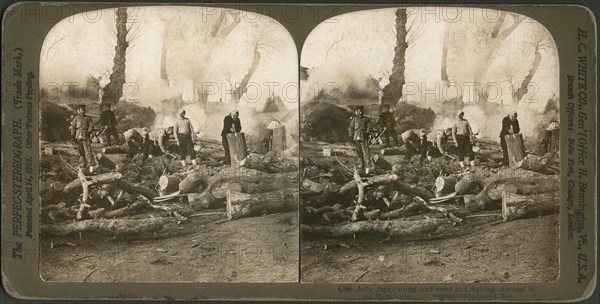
x=169, y=147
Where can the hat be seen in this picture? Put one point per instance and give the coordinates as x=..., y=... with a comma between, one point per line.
x=144, y=131
x=180, y=111
x=459, y=111
x=361, y=108
x=81, y=106
x=422, y=132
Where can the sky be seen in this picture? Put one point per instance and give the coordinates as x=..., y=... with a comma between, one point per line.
x=83, y=45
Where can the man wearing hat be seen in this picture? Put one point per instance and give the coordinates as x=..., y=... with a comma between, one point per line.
x=231, y=124
x=510, y=125
x=358, y=131
x=387, y=121
x=81, y=128
x=137, y=140
x=184, y=136
x=109, y=121
x=463, y=137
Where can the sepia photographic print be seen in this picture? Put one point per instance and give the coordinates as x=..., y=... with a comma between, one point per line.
x=359, y=152
x=169, y=147
x=430, y=148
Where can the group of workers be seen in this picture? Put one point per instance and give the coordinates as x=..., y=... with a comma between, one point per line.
x=143, y=140
x=420, y=142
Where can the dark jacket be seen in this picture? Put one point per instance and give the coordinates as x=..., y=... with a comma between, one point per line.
x=506, y=124
x=81, y=127
x=229, y=122
x=359, y=128
x=107, y=118
x=387, y=120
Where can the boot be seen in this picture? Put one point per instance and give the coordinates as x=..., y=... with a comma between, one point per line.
x=462, y=165
x=194, y=162
x=472, y=163
x=183, y=163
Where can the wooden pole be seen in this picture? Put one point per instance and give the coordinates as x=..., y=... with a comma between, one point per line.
x=237, y=148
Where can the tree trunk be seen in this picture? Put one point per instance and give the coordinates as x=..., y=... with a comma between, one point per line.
x=381, y=163
x=105, y=162
x=516, y=149
x=243, y=86
x=107, y=178
x=445, y=184
x=195, y=182
x=122, y=149
x=375, y=180
x=524, y=88
x=392, y=228
x=279, y=144
x=137, y=189
x=240, y=205
x=391, y=151
x=490, y=196
x=521, y=207
x=471, y=181
x=393, y=91
x=554, y=146
x=237, y=148
x=539, y=164
x=113, y=227
x=114, y=89
x=169, y=183
x=213, y=196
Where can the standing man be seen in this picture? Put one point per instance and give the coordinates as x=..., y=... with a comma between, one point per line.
x=387, y=121
x=359, y=129
x=81, y=128
x=510, y=125
x=412, y=140
x=231, y=124
x=463, y=138
x=109, y=121
x=184, y=136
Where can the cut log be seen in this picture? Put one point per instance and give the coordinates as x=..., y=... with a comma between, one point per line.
x=194, y=182
x=412, y=190
x=410, y=209
x=214, y=196
x=489, y=198
x=391, y=151
x=237, y=148
x=381, y=163
x=66, y=151
x=516, y=149
x=132, y=209
x=392, y=228
x=360, y=198
x=137, y=189
x=84, y=197
x=345, y=152
x=554, y=145
x=539, y=164
x=279, y=143
x=122, y=149
x=375, y=180
x=445, y=184
x=471, y=181
x=240, y=205
x=105, y=162
x=270, y=163
x=113, y=227
x=107, y=178
x=521, y=207
x=169, y=183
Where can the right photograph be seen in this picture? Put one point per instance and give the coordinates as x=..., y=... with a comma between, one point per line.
x=429, y=148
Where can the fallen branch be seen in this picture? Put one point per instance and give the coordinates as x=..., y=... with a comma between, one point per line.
x=375, y=180
x=520, y=207
x=113, y=227
x=392, y=228
x=240, y=205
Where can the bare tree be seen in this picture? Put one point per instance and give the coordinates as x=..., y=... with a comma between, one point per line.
x=113, y=90
x=540, y=42
x=393, y=91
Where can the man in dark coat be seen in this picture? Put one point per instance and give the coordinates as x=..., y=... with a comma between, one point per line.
x=387, y=121
x=109, y=122
x=358, y=131
x=510, y=125
x=231, y=124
